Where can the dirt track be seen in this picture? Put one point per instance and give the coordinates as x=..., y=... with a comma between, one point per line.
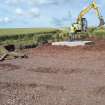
x=55, y=76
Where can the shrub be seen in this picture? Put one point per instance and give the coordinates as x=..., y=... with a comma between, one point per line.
x=99, y=33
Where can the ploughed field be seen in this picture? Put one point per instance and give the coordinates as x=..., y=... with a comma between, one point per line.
x=55, y=76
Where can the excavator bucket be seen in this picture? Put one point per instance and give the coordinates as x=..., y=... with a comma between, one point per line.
x=102, y=22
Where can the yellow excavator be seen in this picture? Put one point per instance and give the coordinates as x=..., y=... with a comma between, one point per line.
x=81, y=23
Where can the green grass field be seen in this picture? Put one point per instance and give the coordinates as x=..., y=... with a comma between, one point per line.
x=35, y=36
x=26, y=36
x=18, y=31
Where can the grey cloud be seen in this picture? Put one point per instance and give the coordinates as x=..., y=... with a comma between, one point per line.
x=61, y=21
x=33, y=12
x=6, y=20
x=30, y=2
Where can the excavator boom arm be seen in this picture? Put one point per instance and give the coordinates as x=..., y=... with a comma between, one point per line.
x=83, y=12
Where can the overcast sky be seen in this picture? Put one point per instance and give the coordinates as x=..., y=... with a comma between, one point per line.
x=44, y=13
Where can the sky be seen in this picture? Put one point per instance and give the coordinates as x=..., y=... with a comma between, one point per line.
x=45, y=13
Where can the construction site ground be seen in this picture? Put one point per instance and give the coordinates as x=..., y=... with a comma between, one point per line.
x=54, y=75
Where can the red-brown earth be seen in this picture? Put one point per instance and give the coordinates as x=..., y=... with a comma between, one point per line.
x=53, y=75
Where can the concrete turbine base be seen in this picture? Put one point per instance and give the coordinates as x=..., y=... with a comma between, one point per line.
x=72, y=43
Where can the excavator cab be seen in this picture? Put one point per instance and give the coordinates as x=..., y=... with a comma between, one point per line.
x=81, y=26
x=84, y=24
x=102, y=22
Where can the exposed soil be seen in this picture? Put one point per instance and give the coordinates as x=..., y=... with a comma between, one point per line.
x=53, y=75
